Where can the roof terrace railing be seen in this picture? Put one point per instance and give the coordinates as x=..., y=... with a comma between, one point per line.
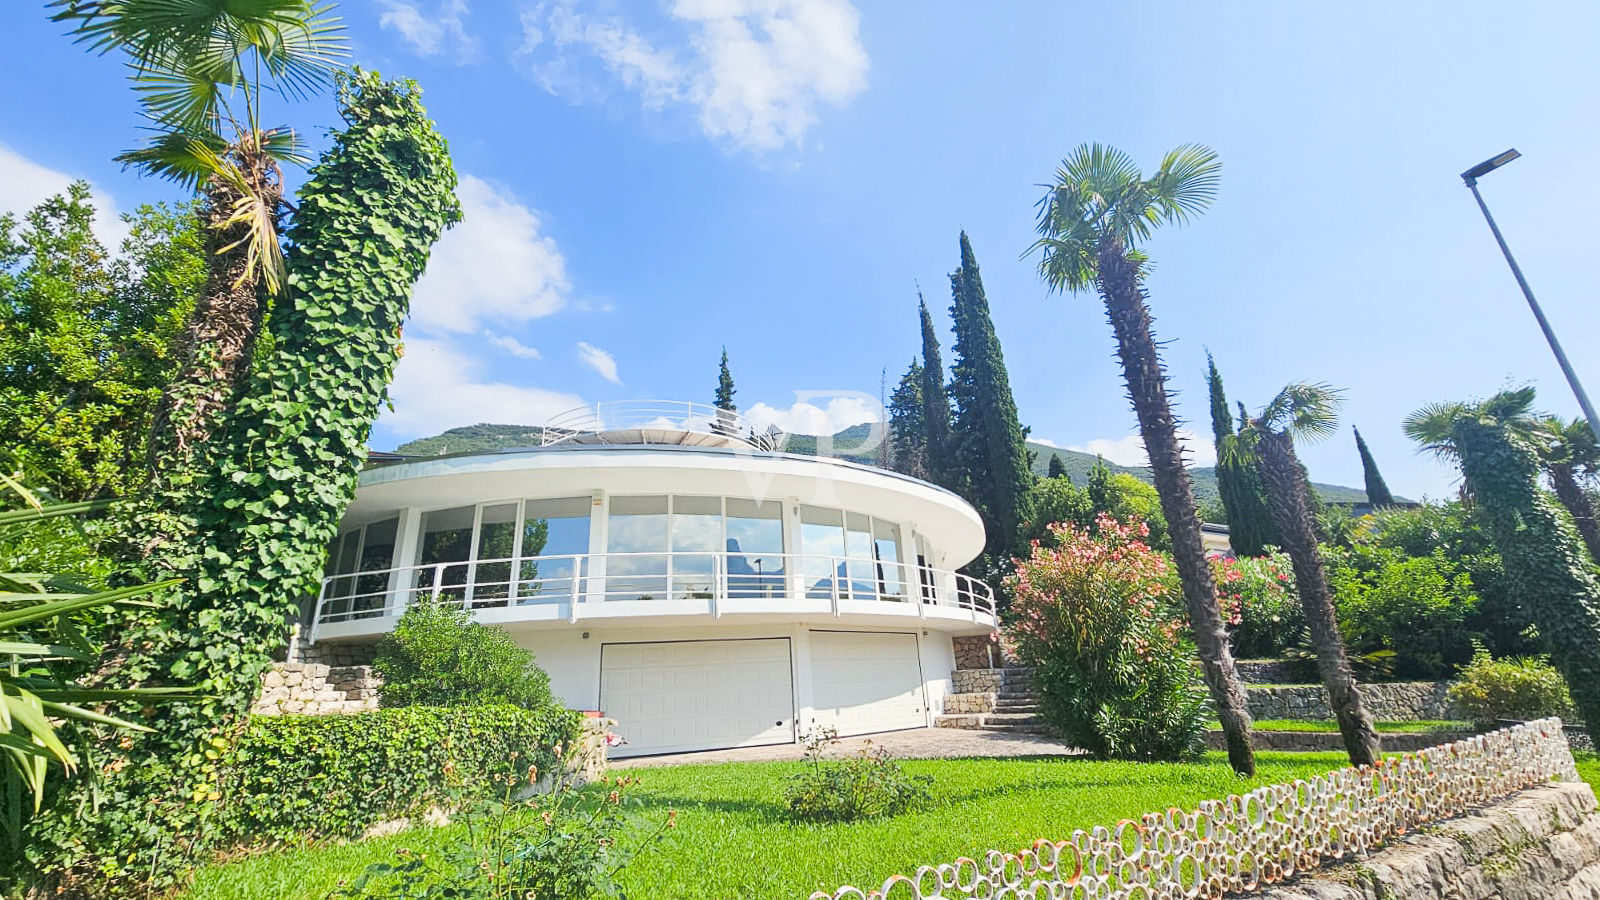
x=657, y=422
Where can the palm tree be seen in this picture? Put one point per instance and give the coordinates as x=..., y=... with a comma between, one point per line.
x=202, y=69
x=1310, y=411
x=1566, y=450
x=1091, y=220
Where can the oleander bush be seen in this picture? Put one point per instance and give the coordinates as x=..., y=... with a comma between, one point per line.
x=438, y=656
x=293, y=779
x=866, y=785
x=1520, y=687
x=1259, y=603
x=1096, y=613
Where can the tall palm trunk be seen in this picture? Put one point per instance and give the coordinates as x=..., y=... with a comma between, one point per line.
x=1577, y=502
x=1288, y=494
x=220, y=335
x=1124, y=296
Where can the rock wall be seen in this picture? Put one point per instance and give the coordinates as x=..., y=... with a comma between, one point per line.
x=976, y=681
x=983, y=651
x=1542, y=842
x=1401, y=701
x=315, y=689
x=1332, y=742
x=968, y=703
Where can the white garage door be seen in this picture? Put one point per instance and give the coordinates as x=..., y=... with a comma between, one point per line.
x=698, y=695
x=863, y=682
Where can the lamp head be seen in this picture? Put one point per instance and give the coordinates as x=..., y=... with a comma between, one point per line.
x=1472, y=175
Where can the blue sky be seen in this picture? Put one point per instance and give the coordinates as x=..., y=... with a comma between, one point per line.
x=647, y=182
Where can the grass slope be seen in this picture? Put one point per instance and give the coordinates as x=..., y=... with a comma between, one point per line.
x=850, y=444
x=732, y=838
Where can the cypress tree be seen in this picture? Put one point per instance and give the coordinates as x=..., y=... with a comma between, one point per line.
x=725, y=389
x=935, y=403
x=1250, y=524
x=908, y=435
x=990, y=443
x=1377, y=492
x=1057, y=469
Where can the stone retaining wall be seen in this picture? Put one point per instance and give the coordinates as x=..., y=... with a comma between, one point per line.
x=1332, y=741
x=1401, y=701
x=1543, y=842
x=1275, y=671
x=964, y=704
x=976, y=681
x=315, y=689
x=982, y=651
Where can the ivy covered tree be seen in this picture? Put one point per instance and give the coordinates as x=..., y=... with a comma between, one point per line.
x=1057, y=468
x=87, y=340
x=988, y=442
x=908, y=434
x=1091, y=221
x=1378, y=494
x=1310, y=411
x=290, y=452
x=1541, y=551
x=935, y=403
x=1250, y=527
x=725, y=390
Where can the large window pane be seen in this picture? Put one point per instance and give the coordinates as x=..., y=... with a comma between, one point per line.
x=755, y=548
x=637, y=541
x=696, y=541
x=377, y=556
x=858, y=546
x=822, y=545
x=553, y=532
x=497, y=531
x=886, y=547
x=446, y=545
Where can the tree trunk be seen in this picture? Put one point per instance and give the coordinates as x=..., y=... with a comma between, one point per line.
x=1126, y=308
x=1577, y=502
x=220, y=336
x=1287, y=494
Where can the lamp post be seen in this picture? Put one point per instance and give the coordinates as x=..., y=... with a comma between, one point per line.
x=1471, y=177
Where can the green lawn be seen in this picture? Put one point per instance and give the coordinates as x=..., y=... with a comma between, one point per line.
x=732, y=839
x=1424, y=725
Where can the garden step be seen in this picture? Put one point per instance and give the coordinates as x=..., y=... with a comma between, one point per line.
x=1009, y=719
x=1019, y=728
x=1017, y=706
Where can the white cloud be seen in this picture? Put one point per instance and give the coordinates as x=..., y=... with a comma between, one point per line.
x=25, y=184
x=1129, y=451
x=494, y=268
x=1045, y=441
x=599, y=360
x=438, y=386
x=754, y=70
x=805, y=416
x=430, y=33
x=512, y=346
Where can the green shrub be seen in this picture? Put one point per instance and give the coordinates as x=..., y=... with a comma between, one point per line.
x=438, y=656
x=1522, y=687
x=298, y=778
x=1418, y=608
x=866, y=785
x=1258, y=601
x=1096, y=615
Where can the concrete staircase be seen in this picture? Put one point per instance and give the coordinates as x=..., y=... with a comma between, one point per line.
x=1009, y=703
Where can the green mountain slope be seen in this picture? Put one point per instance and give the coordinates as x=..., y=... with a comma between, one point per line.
x=850, y=444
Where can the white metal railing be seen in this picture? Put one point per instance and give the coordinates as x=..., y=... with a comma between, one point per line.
x=664, y=415
x=583, y=579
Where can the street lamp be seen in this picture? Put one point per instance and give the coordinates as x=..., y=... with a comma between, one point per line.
x=1471, y=177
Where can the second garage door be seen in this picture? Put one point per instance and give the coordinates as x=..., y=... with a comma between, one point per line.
x=864, y=682
x=698, y=695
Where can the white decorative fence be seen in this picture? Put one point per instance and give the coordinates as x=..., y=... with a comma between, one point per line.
x=1264, y=836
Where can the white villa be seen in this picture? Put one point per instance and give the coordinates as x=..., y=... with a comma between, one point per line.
x=673, y=569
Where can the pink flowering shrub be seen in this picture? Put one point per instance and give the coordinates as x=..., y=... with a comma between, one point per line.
x=1259, y=602
x=1095, y=614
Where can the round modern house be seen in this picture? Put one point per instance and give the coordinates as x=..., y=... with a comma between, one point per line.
x=674, y=569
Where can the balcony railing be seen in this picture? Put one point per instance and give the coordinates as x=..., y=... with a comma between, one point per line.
x=740, y=581
x=654, y=422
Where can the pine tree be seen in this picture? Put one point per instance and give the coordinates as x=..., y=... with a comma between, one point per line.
x=1251, y=528
x=989, y=442
x=908, y=436
x=935, y=404
x=1057, y=468
x=1377, y=492
x=725, y=390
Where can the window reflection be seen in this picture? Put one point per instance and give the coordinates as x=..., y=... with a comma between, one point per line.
x=445, y=547
x=638, y=527
x=555, y=537
x=755, y=549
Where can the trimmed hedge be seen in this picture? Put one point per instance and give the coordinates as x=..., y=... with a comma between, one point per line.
x=295, y=779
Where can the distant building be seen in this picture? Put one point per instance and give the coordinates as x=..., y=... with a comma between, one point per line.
x=1214, y=538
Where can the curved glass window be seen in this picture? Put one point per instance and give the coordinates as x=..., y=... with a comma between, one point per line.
x=554, y=545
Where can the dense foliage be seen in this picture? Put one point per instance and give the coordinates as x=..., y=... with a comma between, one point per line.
x=935, y=402
x=1258, y=600
x=1244, y=500
x=865, y=785
x=725, y=388
x=1516, y=687
x=297, y=778
x=87, y=340
x=1377, y=489
x=1095, y=614
x=908, y=431
x=1116, y=494
x=1416, y=610
x=437, y=655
